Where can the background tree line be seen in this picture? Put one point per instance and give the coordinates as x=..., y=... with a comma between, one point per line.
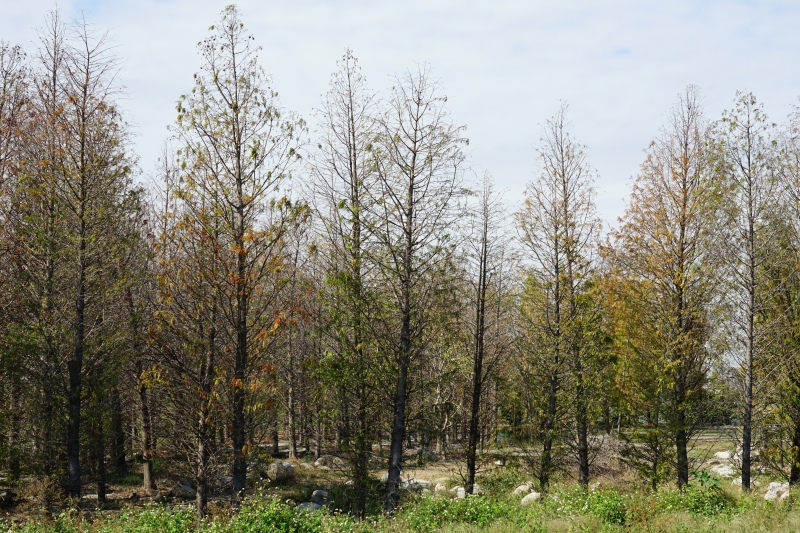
x=351, y=284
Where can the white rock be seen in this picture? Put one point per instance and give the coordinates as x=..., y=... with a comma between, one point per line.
x=723, y=456
x=724, y=471
x=280, y=471
x=460, y=492
x=776, y=490
x=309, y=507
x=522, y=489
x=499, y=462
x=329, y=461
x=738, y=482
x=424, y=483
x=530, y=498
x=440, y=488
x=384, y=478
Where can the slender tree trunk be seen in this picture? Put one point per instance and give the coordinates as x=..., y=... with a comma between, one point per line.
x=549, y=428
x=318, y=436
x=291, y=402
x=205, y=431
x=117, y=434
x=398, y=429
x=363, y=444
x=14, y=465
x=583, y=431
x=75, y=368
x=681, y=445
x=794, y=471
x=240, y=365
x=748, y=362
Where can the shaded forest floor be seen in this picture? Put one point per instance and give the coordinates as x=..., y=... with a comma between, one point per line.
x=615, y=501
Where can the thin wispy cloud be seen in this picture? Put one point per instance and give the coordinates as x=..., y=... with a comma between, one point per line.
x=503, y=65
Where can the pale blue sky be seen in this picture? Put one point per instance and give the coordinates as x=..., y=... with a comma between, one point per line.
x=504, y=65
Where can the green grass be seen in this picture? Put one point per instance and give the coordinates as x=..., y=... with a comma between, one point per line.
x=702, y=507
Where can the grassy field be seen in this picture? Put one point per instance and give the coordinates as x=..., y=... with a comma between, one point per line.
x=706, y=507
x=615, y=502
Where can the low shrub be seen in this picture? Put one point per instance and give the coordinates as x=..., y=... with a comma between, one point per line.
x=708, y=500
x=607, y=505
x=429, y=513
x=274, y=516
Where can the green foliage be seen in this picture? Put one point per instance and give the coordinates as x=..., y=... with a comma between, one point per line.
x=430, y=513
x=696, y=498
x=153, y=519
x=341, y=497
x=607, y=505
x=502, y=480
x=274, y=516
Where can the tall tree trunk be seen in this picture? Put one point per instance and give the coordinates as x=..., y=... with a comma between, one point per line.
x=398, y=429
x=363, y=444
x=75, y=368
x=291, y=402
x=549, y=428
x=794, y=470
x=240, y=365
x=205, y=431
x=583, y=430
x=117, y=434
x=14, y=464
x=747, y=423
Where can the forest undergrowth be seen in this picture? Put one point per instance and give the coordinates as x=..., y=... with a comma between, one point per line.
x=707, y=504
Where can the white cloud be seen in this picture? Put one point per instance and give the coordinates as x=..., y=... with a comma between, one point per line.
x=503, y=64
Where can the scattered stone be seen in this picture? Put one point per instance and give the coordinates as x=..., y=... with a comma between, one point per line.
x=477, y=490
x=531, y=498
x=307, y=466
x=499, y=462
x=329, y=461
x=183, y=492
x=776, y=490
x=723, y=456
x=724, y=471
x=384, y=478
x=319, y=496
x=522, y=489
x=291, y=503
x=738, y=482
x=280, y=472
x=309, y=507
x=409, y=484
x=459, y=492
x=349, y=483
x=440, y=488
